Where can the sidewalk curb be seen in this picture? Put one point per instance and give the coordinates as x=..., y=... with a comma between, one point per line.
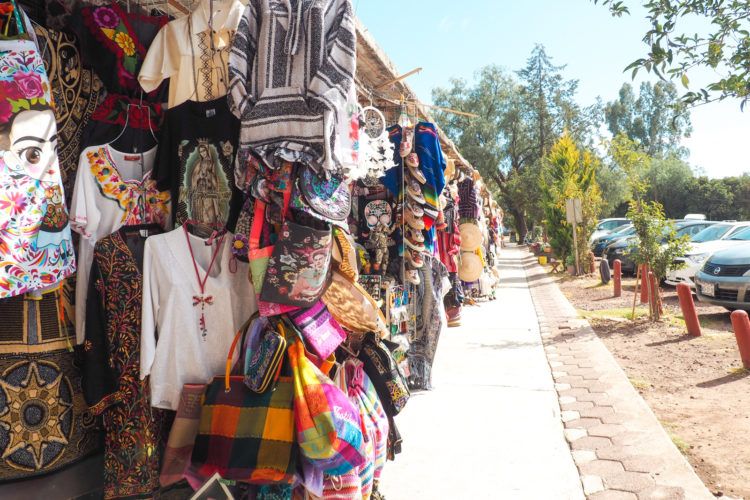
x=620, y=448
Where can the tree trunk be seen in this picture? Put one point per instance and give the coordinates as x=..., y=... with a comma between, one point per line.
x=521, y=226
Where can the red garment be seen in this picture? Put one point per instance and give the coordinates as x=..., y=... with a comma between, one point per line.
x=449, y=245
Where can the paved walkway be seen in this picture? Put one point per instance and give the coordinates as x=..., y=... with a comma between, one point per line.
x=491, y=427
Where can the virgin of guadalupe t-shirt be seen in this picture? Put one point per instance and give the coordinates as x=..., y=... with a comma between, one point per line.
x=195, y=162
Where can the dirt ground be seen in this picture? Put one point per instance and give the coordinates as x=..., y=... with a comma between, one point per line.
x=695, y=386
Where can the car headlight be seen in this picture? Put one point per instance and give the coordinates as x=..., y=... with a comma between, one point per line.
x=698, y=258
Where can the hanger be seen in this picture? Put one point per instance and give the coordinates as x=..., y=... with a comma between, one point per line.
x=143, y=229
x=206, y=230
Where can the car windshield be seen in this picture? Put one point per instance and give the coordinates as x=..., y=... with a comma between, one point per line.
x=626, y=229
x=743, y=235
x=711, y=233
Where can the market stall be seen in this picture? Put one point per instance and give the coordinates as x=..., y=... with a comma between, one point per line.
x=269, y=240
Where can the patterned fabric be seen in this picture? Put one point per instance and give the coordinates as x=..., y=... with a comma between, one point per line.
x=135, y=432
x=36, y=249
x=373, y=419
x=246, y=436
x=326, y=422
x=291, y=68
x=468, y=207
x=299, y=266
x=133, y=196
x=385, y=374
x=44, y=423
x=430, y=319
x=321, y=331
x=76, y=92
x=182, y=436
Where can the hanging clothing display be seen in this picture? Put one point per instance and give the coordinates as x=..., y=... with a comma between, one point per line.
x=44, y=422
x=245, y=224
x=195, y=162
x=291, y=67
x=114, y=43
x=430, y=321
x=196, y=318
x=113, y=189
x=76, y=92
x=36, y=248
x=193, y=52
x=135, y=432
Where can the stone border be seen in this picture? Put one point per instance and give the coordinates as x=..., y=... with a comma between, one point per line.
x=618, y=445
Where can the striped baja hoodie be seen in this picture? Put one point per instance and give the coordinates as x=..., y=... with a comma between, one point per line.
x=291, y=67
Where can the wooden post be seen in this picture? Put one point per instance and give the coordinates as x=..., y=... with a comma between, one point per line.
x=644, y=284
x=635, y=294
x=618, y=277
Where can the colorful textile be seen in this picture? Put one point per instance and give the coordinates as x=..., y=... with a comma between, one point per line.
x=321, y=331
x=326, y=422
x=44, y=422
x=432, y=164
x=291, y=68
x=36, y=248
x=374, y=422
x=135, y=432
x=246, y=436
x=75, y=90
x=176, y=461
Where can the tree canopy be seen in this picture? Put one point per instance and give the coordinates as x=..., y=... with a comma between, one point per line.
x=674, y=50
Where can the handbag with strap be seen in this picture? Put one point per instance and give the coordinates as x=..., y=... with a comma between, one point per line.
x=243, y=435
x=327, y=423
x=320, y=330
x=263, y=356
x=385, y=373
x=299, y=268
x=259, y=257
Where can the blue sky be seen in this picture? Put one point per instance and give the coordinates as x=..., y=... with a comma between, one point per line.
x=450, y=38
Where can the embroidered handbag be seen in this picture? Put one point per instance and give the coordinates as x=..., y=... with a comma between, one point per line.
x=243, y=435
x=263, y=356
x=321, y=332
x=299, y=268
x=385, y=374
x=327, y=199
x=242, y=230
x=326, y=421
x=259, y=258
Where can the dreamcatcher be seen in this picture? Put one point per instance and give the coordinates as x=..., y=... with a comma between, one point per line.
x=375, y=149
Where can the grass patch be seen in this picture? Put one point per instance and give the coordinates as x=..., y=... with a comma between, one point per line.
x=616, y=314
x=680, y=443
x=640, y=384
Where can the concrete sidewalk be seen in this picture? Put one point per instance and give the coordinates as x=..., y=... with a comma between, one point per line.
x=491, y=428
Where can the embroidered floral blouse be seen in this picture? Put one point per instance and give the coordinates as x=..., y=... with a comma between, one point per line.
x=112, y=190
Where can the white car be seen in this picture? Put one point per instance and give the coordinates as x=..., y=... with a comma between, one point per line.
x=712, y=239
x=606, y=226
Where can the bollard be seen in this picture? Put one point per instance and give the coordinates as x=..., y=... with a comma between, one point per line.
x=687, y=305
x=618, y=277
x=741, y=327
x=644, y=284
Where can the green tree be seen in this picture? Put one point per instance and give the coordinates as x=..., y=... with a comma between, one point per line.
x=656, y=118
x=520, y=117
x=569, y=173
x=674, y=48
x=669, y=181
x=713, y=197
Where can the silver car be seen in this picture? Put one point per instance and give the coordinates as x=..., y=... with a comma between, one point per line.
x=724, y=279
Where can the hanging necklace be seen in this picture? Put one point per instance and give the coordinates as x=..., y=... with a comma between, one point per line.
x=202, y=300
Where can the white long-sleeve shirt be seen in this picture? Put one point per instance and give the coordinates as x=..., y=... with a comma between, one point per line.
x=179, y=354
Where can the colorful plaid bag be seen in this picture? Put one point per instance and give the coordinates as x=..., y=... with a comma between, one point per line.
x=245, y=436
x=327, y=423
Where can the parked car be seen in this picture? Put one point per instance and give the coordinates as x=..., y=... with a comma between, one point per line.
x=694, y=217
x=606, y=226
x=622, y=248
x=724, y=280
x=712, y=239
x=604, y=241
